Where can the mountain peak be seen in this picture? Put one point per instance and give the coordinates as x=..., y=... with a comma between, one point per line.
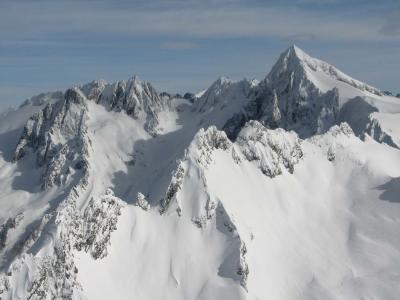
x=294, y=53
x=292, y=60
x=219, y=85
x=295, y=50
x=222, y=80
x=136, y=79
x=295, y=61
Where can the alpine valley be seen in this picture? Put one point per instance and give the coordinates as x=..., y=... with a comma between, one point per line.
x=284, y=188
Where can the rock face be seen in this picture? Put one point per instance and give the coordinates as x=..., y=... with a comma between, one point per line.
x=375, y=130
x=189, y=96
x=91, y=229
x=271, y=150
x=173, y=189
x=60, y=120
x=142, y=202
x=54, y=276
x=58, y=136
x=10, y=224
x=207, y=141
x=99, y=221
x=288, y=99
x=309, y=96
x=135, y=97
x=58, y=133
x=291, y=101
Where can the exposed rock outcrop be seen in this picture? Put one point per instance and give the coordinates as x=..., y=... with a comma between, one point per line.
x=173, y=189
x=58, y=137
x=10, y=224
x=271, y=150
x=142, y=202
x=137, y=98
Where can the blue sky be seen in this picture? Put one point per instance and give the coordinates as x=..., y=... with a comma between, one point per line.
x=184, y=45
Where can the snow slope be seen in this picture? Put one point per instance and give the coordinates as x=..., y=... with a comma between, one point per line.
x=113, y=191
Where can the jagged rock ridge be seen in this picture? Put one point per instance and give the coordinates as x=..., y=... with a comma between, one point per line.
x=274, y=195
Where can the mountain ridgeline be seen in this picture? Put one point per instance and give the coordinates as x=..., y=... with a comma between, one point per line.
x=284, y=188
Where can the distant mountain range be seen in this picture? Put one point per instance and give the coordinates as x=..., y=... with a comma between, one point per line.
x=283, y=188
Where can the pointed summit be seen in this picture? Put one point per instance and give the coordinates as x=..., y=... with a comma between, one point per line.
x=218, y=86
x=136, y=79
x=293, y=50
x=295, y=63
x=291, y=60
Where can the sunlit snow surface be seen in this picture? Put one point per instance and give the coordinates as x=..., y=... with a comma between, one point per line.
x=269, y=216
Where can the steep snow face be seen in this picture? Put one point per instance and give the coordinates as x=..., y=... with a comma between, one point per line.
x=113, y=191
x=223, y=99
x=222, y=92
x=313, y=230
x=317, y=239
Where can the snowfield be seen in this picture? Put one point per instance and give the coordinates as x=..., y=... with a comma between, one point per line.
x=284, y=188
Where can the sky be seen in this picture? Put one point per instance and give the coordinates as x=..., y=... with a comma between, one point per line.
x=184, y=45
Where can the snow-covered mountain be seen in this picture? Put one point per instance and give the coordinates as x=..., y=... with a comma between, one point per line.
x=309, y=96
x=284, y=188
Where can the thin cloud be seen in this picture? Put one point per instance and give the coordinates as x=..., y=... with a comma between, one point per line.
x=233, y=20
